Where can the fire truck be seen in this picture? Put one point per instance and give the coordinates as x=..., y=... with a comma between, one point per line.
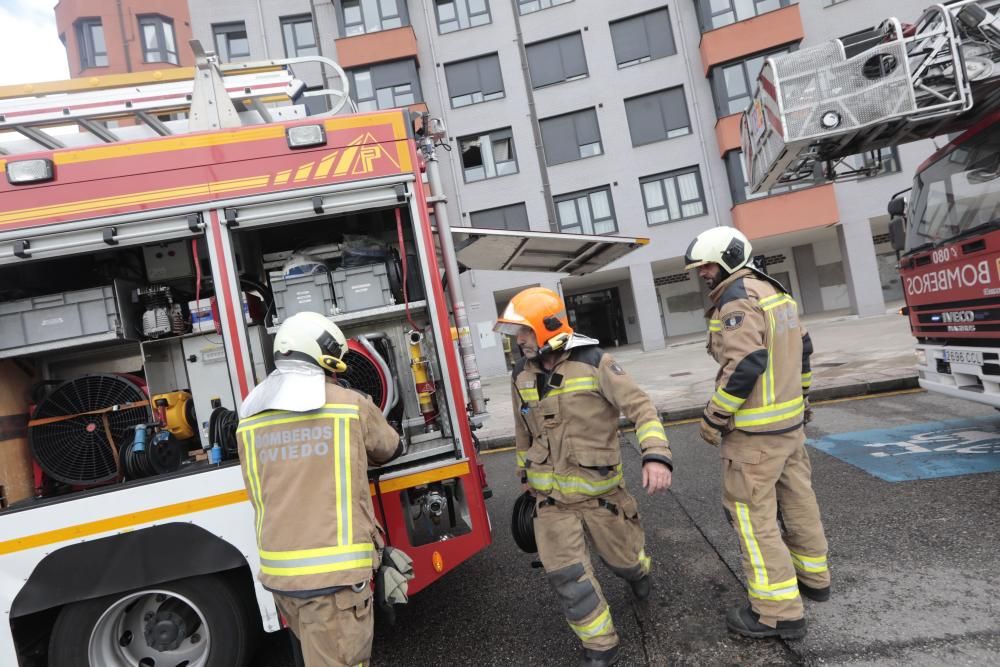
x=155, y=230
x=896, y=83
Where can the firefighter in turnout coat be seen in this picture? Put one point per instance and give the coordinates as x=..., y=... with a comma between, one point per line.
x=305, y=444
x=757, y=414
x=567, y=396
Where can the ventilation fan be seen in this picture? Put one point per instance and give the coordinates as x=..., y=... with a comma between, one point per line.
x=365, y=372
x=76, y=426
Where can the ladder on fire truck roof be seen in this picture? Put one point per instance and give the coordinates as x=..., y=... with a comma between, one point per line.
x=89, y=111
x=895, y=83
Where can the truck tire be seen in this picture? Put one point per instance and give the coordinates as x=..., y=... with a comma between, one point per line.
x=196, y=622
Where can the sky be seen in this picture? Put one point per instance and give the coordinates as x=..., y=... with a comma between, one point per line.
x=30, y=49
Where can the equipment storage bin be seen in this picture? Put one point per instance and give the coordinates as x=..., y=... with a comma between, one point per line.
x=362, y=287
x=64, y=320
x=310, y=293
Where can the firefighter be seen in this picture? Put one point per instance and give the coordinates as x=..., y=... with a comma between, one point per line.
x=756, y=415
x=567, y=396
x=305, y=444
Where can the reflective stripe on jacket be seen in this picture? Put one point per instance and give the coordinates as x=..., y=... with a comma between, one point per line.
x=307, y=477
x=566, y=424
x=763, y=353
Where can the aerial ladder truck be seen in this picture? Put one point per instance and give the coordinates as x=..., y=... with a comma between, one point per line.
x=891, y=84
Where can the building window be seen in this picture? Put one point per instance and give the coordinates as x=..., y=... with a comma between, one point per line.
x=531, y=6
x=639, y=39
x=714, y=14
x=557, y=60
x=158, y=43
x=90, y=37
x=299, y=36
x=455, y=15
x=231, y=40
x=587, y=212
x=734, y=84
x=673, y=196
x=512, y=217
x=571, y=136
x=386, y=86
x=473, y=81
x=488, y=155
x=657, y=116
x=363, y=16
x=739, y=183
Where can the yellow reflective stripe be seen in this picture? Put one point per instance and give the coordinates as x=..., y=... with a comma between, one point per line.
x=645, y=561
x=715, y=325
x=727, y=401
x=652, y=429
x=785, y=590
x=253, y=476
x=319, y=552
x=767, y=300
x=769, y=397
x=772, y=302
x=751, y=546
x=770, y=414
x=342, y=479
x=575, y=384
x=601, y=625
x=522, y=458
x=566, y=484
x=809, y=563
x=807, y=379
x=365, y=563
x=528, y=394
x=322, y=413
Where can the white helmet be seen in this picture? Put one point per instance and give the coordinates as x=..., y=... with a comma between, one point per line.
x=313, y=338
x=725, y=246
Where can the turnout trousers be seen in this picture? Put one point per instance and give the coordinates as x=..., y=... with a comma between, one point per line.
x=561, y=531
x=768, y=497
x=335, y=630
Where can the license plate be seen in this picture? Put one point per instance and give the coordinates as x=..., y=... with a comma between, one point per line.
x=964, y=357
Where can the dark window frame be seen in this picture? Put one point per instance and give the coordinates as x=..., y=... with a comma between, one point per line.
x=458, y=16
x=414, y=84
x=491, y=135
x=720, y=87
x=566, y=79
x=517, y=207
x=539, y=5
x=159, y=23
x=402, y=14
x=484, y=97
x=573, y=116
x=89, y=55
x=577, y=197
x=739, y=183
x=662, y=180
x=643, y=15
x=223, y=31
x=288, y=24
x=666, y=137
x=708, y=21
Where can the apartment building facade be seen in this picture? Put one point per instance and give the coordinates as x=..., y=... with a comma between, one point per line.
x=601, y=117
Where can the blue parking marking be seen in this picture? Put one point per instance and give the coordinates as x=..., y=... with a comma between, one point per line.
x=920, y=451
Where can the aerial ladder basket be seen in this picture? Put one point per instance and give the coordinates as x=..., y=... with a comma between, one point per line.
x=891, y=84
x=208, y=96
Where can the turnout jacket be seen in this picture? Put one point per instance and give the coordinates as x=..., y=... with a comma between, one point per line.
x=307, y=477
x=763, y=352
x=566, y=424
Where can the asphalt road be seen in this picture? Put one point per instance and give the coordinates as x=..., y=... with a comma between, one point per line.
x=914, y=562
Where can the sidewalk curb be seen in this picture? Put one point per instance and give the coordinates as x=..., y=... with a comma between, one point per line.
x=695, y=411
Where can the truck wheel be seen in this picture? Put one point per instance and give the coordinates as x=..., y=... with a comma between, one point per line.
x=195, y=622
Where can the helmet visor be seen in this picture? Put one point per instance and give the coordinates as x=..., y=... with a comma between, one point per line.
x=508, y=328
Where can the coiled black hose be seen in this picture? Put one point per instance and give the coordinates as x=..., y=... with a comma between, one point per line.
x=522, y=523
x=222, y=431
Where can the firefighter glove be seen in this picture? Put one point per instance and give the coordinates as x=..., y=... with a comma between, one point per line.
x=393, y=577
x=807, y=414
x=714, y=425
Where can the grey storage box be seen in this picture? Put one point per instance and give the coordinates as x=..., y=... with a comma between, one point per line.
x=361, y=288
x=302, y=294
x=63, y=320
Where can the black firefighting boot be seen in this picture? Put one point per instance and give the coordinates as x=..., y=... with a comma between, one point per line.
x=745, y=621
x=814, y=594
x=592, y=658
x=641, y=588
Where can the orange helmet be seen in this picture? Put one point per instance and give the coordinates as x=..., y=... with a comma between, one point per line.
x=540, y=309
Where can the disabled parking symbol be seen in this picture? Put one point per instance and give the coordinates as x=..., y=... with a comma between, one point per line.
x=920, y=451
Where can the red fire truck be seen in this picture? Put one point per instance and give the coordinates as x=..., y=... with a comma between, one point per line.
x=891, y=84
x=155, y=229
